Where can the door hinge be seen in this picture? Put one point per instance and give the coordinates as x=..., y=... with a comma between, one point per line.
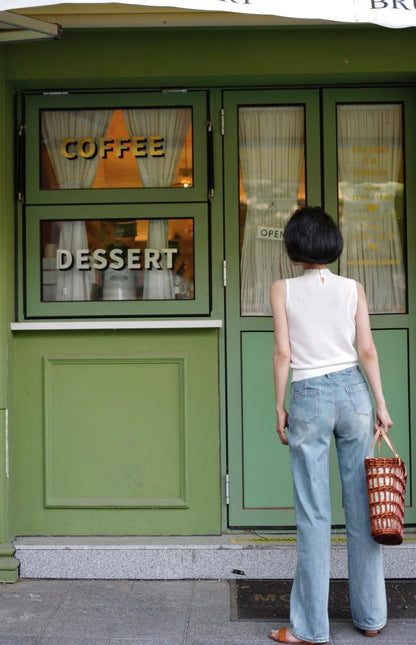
x=222, y=121
x=227, y=489
x=224, y=273
x=60, y=93
x=20, y=148
x=210, y=158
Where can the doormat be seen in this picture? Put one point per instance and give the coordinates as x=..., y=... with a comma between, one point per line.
x=269, y=599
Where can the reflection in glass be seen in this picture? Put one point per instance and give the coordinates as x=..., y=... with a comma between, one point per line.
x=371, y=202
x=272, y=185
x=114, y=148
x=117, y=259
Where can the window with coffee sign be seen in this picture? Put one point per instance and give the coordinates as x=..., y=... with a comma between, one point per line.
x=116, y=205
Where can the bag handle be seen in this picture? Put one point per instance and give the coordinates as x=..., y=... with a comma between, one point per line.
x=378, y=436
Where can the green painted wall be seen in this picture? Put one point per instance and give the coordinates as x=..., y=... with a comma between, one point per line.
x=156, y=58
x=8, y=564
x=223, y=56
x=118, y=433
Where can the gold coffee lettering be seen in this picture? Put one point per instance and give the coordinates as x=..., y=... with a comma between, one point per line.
x=64, y=148
x=157, y=146
x=106, y=145
x=121, y=146
x=139, y=146
x=88, y=148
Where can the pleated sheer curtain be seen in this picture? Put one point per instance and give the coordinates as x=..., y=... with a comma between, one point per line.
x=370, y=157
x=58, y=125
x=271, y=148
x=159, y=172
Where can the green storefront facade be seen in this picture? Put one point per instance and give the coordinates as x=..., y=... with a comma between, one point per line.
x=155, y=416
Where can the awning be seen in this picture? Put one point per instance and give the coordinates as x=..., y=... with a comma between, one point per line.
x=387, y=13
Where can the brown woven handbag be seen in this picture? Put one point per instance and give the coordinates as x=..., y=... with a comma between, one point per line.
x=386, y=482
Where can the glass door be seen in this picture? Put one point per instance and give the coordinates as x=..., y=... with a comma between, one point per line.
x=369, y=156
x=274, y=152
x=272, y=157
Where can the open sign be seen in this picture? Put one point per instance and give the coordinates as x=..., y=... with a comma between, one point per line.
x=269, y=233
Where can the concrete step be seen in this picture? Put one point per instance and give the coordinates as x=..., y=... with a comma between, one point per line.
x=186, y=557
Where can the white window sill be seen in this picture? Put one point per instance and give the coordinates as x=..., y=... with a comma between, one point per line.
x=116, y=324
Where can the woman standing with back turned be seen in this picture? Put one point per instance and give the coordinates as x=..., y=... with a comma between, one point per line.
x=318, y=318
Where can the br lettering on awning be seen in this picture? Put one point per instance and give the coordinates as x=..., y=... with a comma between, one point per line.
x=387, y=13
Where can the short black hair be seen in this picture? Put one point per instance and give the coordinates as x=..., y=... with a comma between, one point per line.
x=311, y=236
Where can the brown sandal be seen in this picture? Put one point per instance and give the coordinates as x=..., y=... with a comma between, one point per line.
x=281, y=636
x=371, y=632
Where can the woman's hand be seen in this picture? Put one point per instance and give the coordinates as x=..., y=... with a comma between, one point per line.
x=383, y=417
x=282, y=424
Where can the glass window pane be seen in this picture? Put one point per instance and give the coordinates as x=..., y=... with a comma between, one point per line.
x=143, y=259
x=272, y=185
x=106, y=148
x=371, y=202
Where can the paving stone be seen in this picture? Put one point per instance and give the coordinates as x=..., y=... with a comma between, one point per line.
x=36, y=586
x=102, y=587
x=211, y=592
x=19, y=641
x=213, y=623
x=403, y=632
x=73, y=641
x=144, y=641
x=116, y=617
x=158, y=593
x=120, y=612
x=26, y=614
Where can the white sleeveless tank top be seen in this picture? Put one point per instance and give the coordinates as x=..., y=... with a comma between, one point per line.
x=321, y=308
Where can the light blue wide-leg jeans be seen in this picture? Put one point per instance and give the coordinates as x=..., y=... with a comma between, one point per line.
x=338, y=403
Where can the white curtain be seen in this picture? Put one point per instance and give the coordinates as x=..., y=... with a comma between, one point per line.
x=58, y=125
x=158, y=172
x=271, y=147
x=370, y=165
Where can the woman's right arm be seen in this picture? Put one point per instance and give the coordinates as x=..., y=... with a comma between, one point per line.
x=281, y=355
x=368, y=357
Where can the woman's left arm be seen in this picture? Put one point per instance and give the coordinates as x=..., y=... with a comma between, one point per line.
x=281, y=354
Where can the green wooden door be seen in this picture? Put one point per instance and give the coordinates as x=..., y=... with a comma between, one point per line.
x=110, y=425
x=276, y=143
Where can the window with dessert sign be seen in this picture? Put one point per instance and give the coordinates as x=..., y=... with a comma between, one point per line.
x=116, y=210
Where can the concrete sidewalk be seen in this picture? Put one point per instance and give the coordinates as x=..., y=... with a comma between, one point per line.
x=146, y=612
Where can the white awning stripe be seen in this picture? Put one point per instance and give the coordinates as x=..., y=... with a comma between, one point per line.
x=387, y=13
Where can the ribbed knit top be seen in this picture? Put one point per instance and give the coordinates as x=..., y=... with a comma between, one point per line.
x=321, y=308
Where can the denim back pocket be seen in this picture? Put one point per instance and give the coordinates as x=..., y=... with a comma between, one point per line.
x=360, y=398
x=305, y=404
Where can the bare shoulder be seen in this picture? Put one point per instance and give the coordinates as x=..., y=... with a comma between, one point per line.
x=360, y=290
x=278, y=288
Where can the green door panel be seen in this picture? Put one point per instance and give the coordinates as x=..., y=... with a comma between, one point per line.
x=133, y=449
x=393, y=351
x=266, y=476
x=267, y=481
x=110, y=429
